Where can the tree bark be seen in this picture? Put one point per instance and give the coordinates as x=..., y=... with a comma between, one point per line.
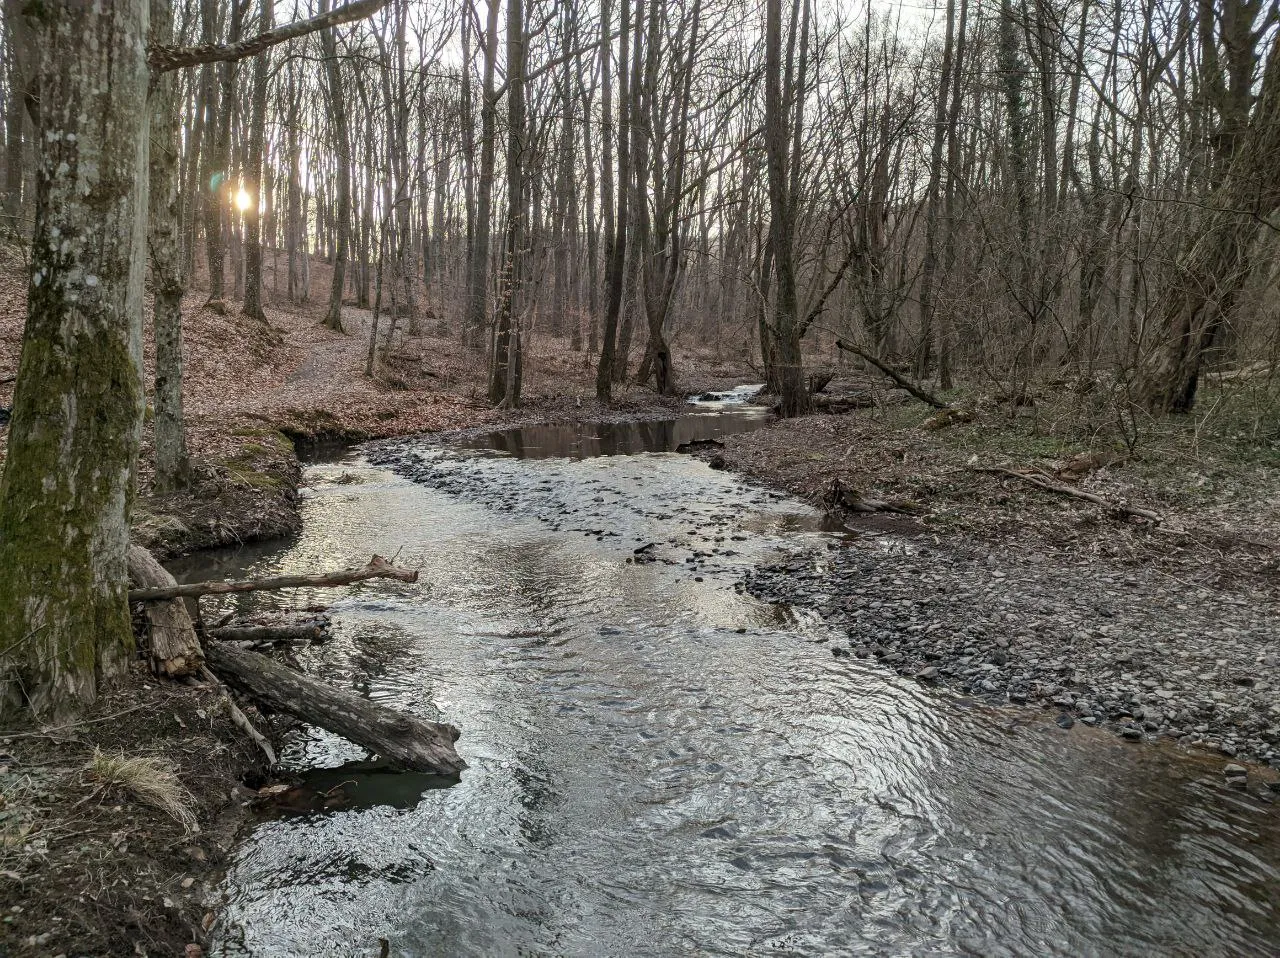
x=505, y=372
x=342, y=151
x=175, y=649
x=172, y=467
x=78, y=405
x=615, y=244
x=404, y=741
x=478, y=267
x=255, y=180
x=783, y=165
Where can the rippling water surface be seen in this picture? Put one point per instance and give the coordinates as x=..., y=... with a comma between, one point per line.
x=661, y=765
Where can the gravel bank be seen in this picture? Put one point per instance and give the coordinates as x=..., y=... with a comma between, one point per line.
x=1133, y=649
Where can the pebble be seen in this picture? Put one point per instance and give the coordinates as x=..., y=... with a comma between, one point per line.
x=1103, y=647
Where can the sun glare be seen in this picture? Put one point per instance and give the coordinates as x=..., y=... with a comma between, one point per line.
x=243, y=199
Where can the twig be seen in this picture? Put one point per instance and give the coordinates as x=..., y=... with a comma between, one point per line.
x=238, y=718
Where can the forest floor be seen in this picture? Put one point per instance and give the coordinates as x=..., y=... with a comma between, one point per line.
x=115, y=829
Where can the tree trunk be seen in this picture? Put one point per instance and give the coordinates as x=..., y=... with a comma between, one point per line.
x=783, y=163
x=78, y=405
x=342, y=152
x=172, y=468
x=478, y=268
x=217, y=179
x=506, y=349
x=1214, y=264
x=175, y=649
x=255, y=181
x=616, y=243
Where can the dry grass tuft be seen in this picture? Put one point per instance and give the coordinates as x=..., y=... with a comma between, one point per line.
x=150, y=780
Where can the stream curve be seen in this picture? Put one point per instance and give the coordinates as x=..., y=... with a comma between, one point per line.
x=661, y=764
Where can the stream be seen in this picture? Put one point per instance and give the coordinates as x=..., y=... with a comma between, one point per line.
x=660, y=764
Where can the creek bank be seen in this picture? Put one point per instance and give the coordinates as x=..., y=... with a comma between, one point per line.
x=86, y=865
x=1134, y=650
x=246, y=489
x=1218, y=494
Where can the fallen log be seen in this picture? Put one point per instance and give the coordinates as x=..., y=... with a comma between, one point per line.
x=175, y=649
x=840, y=496
x=1116, y=508
x=893, y=374
x=401, y=740
x=378, y=568
x=254, y=634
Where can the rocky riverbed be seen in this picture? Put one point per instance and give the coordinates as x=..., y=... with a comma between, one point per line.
x=1133, y=649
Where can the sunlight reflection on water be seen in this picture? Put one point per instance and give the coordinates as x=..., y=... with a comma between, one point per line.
x=661, y=765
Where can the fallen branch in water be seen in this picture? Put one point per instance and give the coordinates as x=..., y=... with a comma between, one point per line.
x=378, y=568
x=256, y=634
x=1116, y=508
x=404, y=741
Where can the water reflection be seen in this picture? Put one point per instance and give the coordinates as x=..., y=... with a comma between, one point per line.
x=584, y=441
x=661, y=765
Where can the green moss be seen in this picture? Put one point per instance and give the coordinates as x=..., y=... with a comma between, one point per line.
x=63, y=508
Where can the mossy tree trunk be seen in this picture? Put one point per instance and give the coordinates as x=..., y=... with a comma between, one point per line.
x=172, y=465
x=78, y=403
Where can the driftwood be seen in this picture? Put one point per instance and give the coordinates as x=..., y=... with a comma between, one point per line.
x=255, y=634
x=840, y=496
x=1042, y=482
x=175, y=650
x=893, y=374
x=378, y=568
x=401, y=740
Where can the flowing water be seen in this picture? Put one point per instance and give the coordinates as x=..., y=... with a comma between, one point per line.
x=661, y=765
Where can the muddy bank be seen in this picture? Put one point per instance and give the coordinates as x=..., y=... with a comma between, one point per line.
x=246, y=494
x=89, y=862
x=1134, y=650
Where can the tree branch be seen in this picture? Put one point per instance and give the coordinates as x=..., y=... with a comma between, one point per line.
x=901, y=380
x=378, y=568
x=163, y=59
